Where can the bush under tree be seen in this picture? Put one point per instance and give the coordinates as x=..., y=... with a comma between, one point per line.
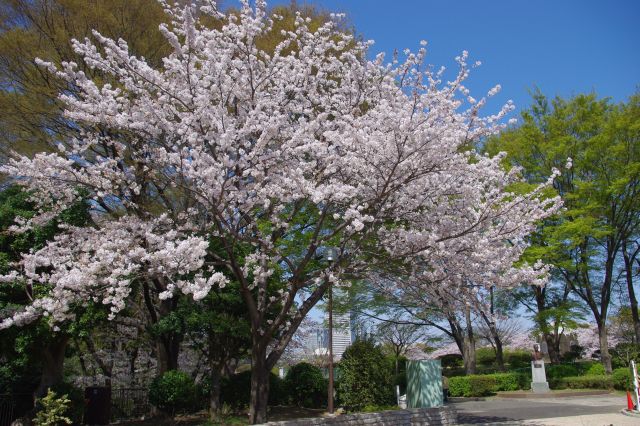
x=236, y=390
x=53, y=410
x=173, y=392
x=365, y=377
x=306, y=386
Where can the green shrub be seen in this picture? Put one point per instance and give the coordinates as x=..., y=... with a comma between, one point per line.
x=485, y=356
x=278, y=394
x=517, y=358
x=453, y=372
x=486, y=384
x=399, y=379
x=451, y=361
x=596, y=369
x=235, y=391
x=556, y=371
x=508, y=382
x=459, y=386
x=582, y=382
x=365, y=377
x=173, y=392
x=482, y=385
x=472, y=385
x=623, y=353
x=306, y=386
x=622, y=379
x=76, y=396
x=53, y=410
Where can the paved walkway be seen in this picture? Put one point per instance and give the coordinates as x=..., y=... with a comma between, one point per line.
x=569, y=411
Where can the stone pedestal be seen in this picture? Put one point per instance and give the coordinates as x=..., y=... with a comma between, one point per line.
x=539, y=382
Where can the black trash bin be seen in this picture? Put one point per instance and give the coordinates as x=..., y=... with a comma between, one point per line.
x=98, y=405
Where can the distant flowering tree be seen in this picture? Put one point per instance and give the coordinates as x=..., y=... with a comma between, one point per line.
x=448, y=349
x=242, y=163
x=586, y=336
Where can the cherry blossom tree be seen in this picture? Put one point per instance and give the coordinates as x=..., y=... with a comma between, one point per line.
x=586, y=336
x=245, y=164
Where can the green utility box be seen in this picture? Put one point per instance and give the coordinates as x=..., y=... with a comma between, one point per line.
x=424, y=384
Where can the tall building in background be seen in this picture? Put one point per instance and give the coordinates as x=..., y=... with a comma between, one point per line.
x=342, y=336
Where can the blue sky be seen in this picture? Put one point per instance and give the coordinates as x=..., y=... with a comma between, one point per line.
x=564, y=47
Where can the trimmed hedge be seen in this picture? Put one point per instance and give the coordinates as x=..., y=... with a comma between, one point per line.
x=582, y=382
x=561, y=376
x=487, y=384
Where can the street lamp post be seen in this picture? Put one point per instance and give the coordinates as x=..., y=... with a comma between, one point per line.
x=330, y=258
x=330, y=388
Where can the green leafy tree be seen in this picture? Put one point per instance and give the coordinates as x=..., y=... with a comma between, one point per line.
x=553, y=311
x=36, y=348
x=31, y=118
x=219, y=328
x=397, y=338
x=601, y=190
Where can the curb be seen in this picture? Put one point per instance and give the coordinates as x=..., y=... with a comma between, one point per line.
x=629, y=413
x=551, y=394
x=454, y=399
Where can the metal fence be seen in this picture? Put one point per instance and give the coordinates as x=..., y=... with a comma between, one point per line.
x=129, y=403
x=14, y=406
x=126, y=403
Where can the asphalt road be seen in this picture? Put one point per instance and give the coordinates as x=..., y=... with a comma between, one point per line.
x=583, y=410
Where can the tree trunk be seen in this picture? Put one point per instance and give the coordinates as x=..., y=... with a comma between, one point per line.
x=214, y=398
x=259, y=385
x=499, y=354
x=397, y=366
x=133, y=356
x=543, y=325
x=497, y=341
x=168, y=343
x=52, y=364
x=167, y=352
x=469, y=355
x=633, y=301
x=604, y=347
x=553, y=345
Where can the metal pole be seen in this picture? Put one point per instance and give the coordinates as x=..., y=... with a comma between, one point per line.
x=330, y=390
x=491, y=290
x=636, y=384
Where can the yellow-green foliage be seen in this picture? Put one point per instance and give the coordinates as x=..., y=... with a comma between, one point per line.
x=31, y=118
x=54, y=410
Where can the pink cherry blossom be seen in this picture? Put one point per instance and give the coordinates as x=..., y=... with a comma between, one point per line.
x=274, y=156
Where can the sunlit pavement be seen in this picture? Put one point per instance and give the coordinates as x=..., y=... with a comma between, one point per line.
x=584, y=410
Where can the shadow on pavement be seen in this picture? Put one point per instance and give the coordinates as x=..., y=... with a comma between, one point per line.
x=480, y=419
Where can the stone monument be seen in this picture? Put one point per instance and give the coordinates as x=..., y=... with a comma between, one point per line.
x=539, y=382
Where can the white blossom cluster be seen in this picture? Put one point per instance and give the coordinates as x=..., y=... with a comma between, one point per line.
x=282, y=153
x=89, y=264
